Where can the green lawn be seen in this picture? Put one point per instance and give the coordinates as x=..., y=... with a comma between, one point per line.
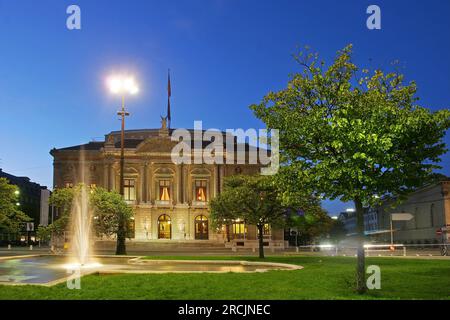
x=321, y=278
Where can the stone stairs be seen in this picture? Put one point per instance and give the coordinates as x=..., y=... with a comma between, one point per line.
x=163, y=245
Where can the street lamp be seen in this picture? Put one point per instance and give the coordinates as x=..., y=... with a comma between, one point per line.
x=122, y=85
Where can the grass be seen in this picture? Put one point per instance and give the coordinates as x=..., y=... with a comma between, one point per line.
x=321, y=278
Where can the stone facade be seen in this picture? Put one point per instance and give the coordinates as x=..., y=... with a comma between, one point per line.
x=170, y=200
x=430, y=207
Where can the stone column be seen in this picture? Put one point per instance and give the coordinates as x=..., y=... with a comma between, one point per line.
x=142, y=183
x=105, y=175
x=145, y=183
x=184, y=183
x=445, y=194
x=216, y=180
x=112, y=177
x=150, y=183
x=178, y=185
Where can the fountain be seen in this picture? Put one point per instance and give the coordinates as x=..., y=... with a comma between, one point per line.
x=81, y=221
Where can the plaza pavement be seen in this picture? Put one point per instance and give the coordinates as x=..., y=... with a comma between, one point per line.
x=412, y=253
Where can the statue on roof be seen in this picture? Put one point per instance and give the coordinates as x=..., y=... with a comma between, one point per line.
x=163, y=122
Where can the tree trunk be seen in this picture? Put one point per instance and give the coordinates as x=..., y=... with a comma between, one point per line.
x=360, y=268
x=261, y=242
x=227, y=230
x=121, y=236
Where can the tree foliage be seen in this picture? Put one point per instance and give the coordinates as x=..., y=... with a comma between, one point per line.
x=258, y=200
x=12, y=219
x=310, y=225
x=353, y=134
x=108, y=207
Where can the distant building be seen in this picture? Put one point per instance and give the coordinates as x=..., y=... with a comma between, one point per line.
x=430, y=207
x=348, y=218
x=33, y=201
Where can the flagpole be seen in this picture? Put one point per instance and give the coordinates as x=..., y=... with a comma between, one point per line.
x=169, y=93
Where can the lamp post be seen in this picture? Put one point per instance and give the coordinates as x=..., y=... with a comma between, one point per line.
x=122, y=85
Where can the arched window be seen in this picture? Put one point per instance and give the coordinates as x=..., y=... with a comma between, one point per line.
x=164, y=227
x=201, y=227
x=432, y=215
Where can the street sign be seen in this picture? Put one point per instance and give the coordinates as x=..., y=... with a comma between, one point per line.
x=401, y=216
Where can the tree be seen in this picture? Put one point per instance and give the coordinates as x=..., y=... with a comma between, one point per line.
x=108, y=209
x=11, y=218
x=337, y=230
x=61, y=199
x=252, y=198
x=310, y=225
x=354, y=135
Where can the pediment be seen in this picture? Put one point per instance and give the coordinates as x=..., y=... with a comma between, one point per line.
x=156, y=144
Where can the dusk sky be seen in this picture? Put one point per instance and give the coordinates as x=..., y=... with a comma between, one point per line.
x=223, y=56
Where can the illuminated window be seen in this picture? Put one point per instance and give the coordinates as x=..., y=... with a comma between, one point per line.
x=164, y=227
x=129, y=190
x=200, y=190
x=267, y=229
x=239, y=229
x=164, y=190
x=201, y=227
x=69, y=185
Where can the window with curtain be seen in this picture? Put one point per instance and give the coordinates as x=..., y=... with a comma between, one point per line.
x=164, y=190
x=200, y=190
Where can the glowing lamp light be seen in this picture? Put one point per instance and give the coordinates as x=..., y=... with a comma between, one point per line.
x=122, y=85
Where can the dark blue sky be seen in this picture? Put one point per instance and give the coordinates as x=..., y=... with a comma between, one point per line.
x=224, y=56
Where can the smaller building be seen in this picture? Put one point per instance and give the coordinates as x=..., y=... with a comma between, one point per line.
x=430, y=207
x=348, y=218
x=33, y=201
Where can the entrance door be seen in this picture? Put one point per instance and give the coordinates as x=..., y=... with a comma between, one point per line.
x=164, y=227
x=201, y=228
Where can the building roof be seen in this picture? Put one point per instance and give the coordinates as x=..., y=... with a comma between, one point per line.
x=93, y=145
x=20, y=181
x=133, y=138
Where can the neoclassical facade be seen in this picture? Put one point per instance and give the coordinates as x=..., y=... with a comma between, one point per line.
x=170, y=200
x=430, y=208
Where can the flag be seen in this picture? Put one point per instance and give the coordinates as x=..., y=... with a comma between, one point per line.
x=169, y=93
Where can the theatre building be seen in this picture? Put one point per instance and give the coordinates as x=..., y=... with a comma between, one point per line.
x=170, y=200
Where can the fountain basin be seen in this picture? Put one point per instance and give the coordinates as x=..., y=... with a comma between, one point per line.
x=50, y=270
